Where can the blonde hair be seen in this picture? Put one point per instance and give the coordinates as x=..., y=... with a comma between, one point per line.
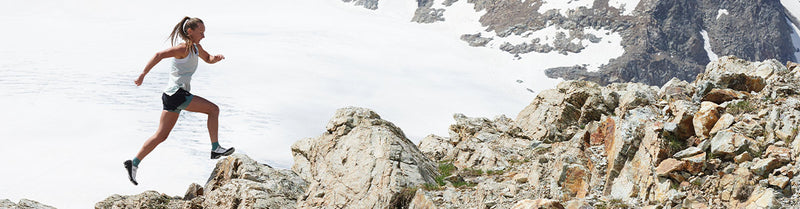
x=179, y=31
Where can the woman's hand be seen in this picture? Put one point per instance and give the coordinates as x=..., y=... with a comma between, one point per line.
x=139, y=80
x=218, y=58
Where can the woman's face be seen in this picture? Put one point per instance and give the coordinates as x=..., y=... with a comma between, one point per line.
x=197, y=34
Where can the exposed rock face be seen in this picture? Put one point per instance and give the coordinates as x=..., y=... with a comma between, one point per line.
x=555, y=113
x=478, y=143
x=362, y=161
x=24, y=204
x=662, y=39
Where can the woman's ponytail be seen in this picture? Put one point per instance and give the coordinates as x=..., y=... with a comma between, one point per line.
x=179, y=31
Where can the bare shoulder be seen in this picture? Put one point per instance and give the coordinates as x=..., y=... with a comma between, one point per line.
x=177, y=51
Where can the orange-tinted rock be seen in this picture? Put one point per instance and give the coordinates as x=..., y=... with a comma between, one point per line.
x=574, y=181
x=604, y=131
x=705, y=118
x=723, y=95
x=669, y=165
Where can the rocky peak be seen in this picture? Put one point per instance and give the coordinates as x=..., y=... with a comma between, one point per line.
x=24, y=204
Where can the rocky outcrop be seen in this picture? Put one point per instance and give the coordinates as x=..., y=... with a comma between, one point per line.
x=362, y=161
x=24, y=204
x=236, y=182
x=658, y=147
x=478, y=143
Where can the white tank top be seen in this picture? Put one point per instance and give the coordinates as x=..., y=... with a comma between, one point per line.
x=181, y=73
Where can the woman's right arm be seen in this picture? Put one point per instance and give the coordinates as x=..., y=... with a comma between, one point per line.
x=167, y=53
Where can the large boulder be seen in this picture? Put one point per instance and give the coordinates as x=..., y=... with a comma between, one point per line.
x=362, y=161
x=739, y=74
x=555, y=114
x=240, y=182
x=728, y=144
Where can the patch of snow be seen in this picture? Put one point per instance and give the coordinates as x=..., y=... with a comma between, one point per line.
x=563, y=6
x=707, y=45
x=627, y=6
x=793, y=9
x=795, y=39
x=598, y=54
x=722, y=12
x=460, y=17
x=793, y=6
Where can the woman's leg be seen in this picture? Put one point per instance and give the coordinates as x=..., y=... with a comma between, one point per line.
x=199, y=104
x=165, y=125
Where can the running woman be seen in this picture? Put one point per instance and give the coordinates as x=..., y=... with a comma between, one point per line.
x=176, y=96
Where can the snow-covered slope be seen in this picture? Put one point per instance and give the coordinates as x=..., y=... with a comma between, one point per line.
x=793, y=12
x=647, y=41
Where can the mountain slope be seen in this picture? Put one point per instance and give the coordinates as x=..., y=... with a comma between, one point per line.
x=661, y=39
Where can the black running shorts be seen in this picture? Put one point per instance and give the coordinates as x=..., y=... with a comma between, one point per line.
x=177, y=102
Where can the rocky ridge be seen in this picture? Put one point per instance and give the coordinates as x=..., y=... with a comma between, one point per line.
x=23, y=204
x=726, y=140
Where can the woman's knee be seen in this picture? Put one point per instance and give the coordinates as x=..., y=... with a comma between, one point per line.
x=213, y=109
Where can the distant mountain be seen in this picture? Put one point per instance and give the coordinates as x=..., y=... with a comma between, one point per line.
x=662, y=39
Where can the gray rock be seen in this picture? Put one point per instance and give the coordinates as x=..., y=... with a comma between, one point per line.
x=148, y=199
x=369, y=4
x=475, y=39
x=763, y=167
x=239, y=181
x=426, y=14
x=728, y=143
x=688, y=152
x=435, y=147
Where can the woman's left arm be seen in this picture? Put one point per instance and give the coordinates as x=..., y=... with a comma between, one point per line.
x=207, y=57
